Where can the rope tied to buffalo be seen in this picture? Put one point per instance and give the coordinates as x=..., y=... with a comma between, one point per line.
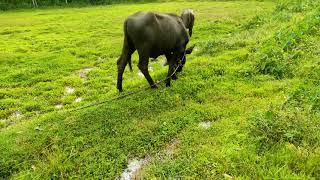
x=130, y=93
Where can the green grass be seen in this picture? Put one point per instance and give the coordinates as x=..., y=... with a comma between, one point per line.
x=255, y=76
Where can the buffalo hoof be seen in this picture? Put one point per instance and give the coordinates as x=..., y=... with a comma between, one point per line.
x=154, y=86
x=120, y=89
x=168, y=85
x=174, y=77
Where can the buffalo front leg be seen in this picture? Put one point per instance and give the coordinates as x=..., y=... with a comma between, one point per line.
x=174, y=76
x=170, y=74
x=170, y=59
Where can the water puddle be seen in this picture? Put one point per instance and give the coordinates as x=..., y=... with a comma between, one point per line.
x=69, y=90
x=58, y=106
x=84, y=72
x=205, y=125
x=134, y=166
x=227, y=176
x=16, y=114
x=170, y=149
x=78, y=99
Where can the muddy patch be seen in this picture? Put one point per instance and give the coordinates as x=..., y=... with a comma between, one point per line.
x=205, y=125
x=16, y=115
x=69, y=90
x=58, y=106
x=83, y=73
x=133, y=169
x=78, y=99
x=227, y=176
x=171, y=148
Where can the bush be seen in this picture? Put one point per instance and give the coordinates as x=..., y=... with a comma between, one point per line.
x=297, y=121
x=279, y=55
x=272, y=61
x=276, y=127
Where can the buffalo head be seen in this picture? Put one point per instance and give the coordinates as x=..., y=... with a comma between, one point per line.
x=187, y=17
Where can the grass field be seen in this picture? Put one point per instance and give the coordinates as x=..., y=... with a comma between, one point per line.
x=247, y=104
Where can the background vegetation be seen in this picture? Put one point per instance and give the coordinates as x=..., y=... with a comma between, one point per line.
x=13, y=4
x=247, y=104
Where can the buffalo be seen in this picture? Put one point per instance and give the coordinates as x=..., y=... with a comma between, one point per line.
x=154, y=34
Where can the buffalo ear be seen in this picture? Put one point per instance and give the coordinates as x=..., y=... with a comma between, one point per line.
x=190, y=49
x=191, y=23
x=190, y=32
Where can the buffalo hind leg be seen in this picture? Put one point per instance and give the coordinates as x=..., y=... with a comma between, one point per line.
x=130, y=64
x=121, y=63
x=143, y=66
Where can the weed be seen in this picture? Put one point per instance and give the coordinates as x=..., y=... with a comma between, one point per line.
x=279, y=55
x=277, y=127
x=254, y=22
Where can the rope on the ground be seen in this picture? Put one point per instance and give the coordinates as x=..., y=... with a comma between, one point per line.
x=128, y=94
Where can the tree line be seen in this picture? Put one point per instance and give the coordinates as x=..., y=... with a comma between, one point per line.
x=13, y=4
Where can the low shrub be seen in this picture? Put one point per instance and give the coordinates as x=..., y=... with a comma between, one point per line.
x=276, y=127
x=212, y=47
x=297, y=121
x=279, y=55
x=296, y=6
x=255, y=22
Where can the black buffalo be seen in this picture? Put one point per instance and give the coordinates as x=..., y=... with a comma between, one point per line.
x=152, y=35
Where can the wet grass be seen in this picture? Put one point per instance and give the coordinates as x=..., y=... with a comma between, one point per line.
x=263, y=112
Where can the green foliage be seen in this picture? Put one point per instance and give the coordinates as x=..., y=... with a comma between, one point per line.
x=272, y=61
x=13, y=4
x=291, y=128
x=276, y=127
x=213, y=47
x=254, y=22
x=279, y=55
x=213, y=123
x=296, y=6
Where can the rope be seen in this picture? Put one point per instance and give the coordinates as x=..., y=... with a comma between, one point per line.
x=128, y=94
